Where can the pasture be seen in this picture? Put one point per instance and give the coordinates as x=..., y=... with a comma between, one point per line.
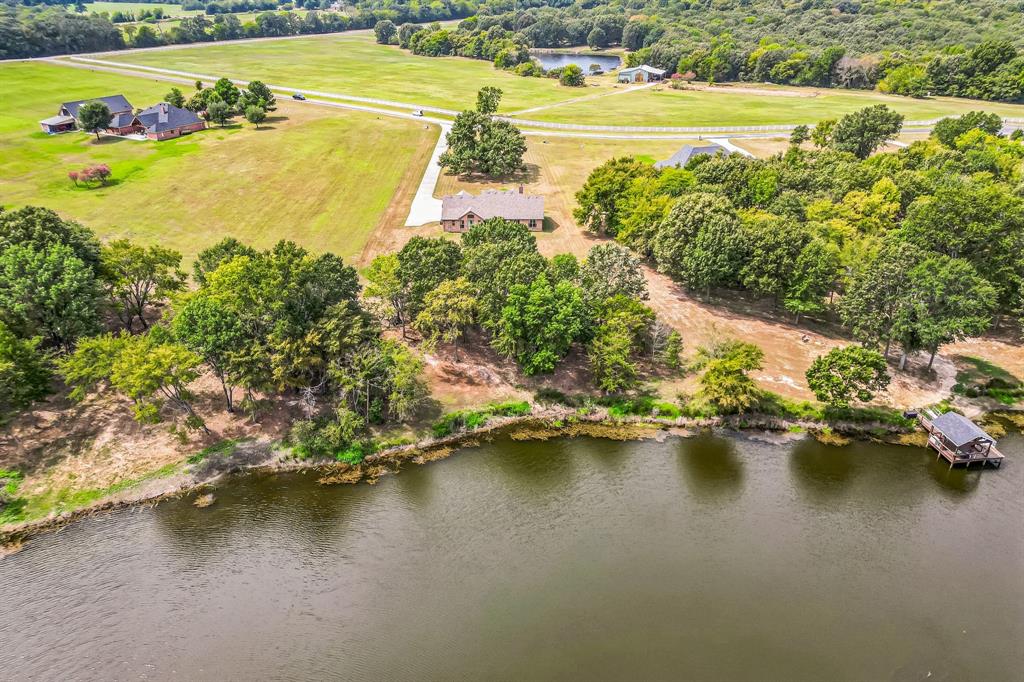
x=170, y=10
x=320, y=177
x=737, y=105
x=354, y=64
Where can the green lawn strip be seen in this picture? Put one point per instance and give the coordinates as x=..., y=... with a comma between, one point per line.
x=356, y=65
x=688, y=108
x=60, y=500
x=323, y=183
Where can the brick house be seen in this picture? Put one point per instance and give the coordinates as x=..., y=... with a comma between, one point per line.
x=461, y=211
x=164, y=121
x=159, y=122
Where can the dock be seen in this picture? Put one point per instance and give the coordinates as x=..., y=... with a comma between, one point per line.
x=959, y=441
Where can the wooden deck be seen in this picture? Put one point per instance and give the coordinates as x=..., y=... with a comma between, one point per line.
x=989, y=457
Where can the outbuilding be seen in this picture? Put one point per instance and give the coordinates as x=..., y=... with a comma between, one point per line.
x=688, y=152
x=641, y=74
x=57, y=124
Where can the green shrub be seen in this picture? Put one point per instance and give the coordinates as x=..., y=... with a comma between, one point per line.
x=473, y=419
x=669, y=410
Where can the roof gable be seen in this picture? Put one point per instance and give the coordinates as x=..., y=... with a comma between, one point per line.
x=164, y=116
x=959, y=430
x=493, y=203
x=116, y=103
x=688, y=151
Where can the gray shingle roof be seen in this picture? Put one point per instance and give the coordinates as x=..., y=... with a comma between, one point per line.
x=493, y=203
x=958, y=429
x=116, y=104
x=683, y=156
x=164, y=116
x=122, y=120
x=57, y=120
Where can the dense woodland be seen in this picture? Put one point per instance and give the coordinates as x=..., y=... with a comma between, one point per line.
x=911, y=249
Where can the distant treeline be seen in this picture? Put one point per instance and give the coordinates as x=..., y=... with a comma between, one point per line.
x=40, y=31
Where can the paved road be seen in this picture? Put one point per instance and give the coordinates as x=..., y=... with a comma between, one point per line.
x=425, y=208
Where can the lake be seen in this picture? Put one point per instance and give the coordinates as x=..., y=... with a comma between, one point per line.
x=710, y=558
x=552, y=60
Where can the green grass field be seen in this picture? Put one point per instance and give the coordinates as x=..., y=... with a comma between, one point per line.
x=320, y=177
x=663, y=106
x=356, y=65
x=111, y=7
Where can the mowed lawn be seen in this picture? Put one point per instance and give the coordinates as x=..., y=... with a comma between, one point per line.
x=111, y=7
x=320, y=177
x=663, y=106
x=356, y=65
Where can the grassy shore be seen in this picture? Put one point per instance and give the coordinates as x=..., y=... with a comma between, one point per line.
x=320, y=177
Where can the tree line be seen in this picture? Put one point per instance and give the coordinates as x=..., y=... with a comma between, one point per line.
x=912, y=249
x=49, y=29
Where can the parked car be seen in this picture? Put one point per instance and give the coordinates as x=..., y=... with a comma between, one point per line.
x=417, y=112
x=298, y=95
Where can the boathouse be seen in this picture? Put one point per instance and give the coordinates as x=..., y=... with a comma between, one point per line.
x=959, y=440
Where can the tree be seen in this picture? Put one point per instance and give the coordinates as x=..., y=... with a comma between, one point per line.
x=227, y=91
x=385, y=292
x=773, y=246
x=800, y=134
x=624, y=328
x=596, y=39
x=211, y=329
x=149, y=369
x=725, y=383
x=950, y=302
x=487, y=99
x=137, y=277
x=479, y=144
x=175, y=98
x=210, y=258
x=863, y=131
x=39, y=228
x=948, y=130
x=813, y=277
x=572, y=75
x=405, y=33
x=610, y=270
x=385, y=31
x=49, y=293
x=599, y=200
x=700, y=243
x=24, y=371
x=848, y=373
x=255, y=114
x=257, y=93
x=448, y=311
x=94, y=117
x=821, y=134
x=219, y=112
x=539, y=323
x=424, y=263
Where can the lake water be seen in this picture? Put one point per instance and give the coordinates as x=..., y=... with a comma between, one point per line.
x=551, y=60
x=701, y=559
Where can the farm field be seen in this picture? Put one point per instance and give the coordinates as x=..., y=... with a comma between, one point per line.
x=663, y=106
x=356, y=65
x=320, y=177
x=170, y=10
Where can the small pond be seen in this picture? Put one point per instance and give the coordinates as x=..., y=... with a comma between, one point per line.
x=553, y=60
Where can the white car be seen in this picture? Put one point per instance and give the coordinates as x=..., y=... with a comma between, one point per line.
x=417, y=112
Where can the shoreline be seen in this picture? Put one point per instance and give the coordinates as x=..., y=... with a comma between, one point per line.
x=543, y=424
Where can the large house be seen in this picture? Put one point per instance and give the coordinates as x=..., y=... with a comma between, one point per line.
x=461, y=211
x=158, y=122
x=688, y=151
x=641, y=74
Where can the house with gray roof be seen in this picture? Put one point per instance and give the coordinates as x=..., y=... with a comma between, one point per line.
x=118, y=104
x=461, y=211
x=164, y=121
x=688, y=152
x=67, y=116
x=641, y=74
